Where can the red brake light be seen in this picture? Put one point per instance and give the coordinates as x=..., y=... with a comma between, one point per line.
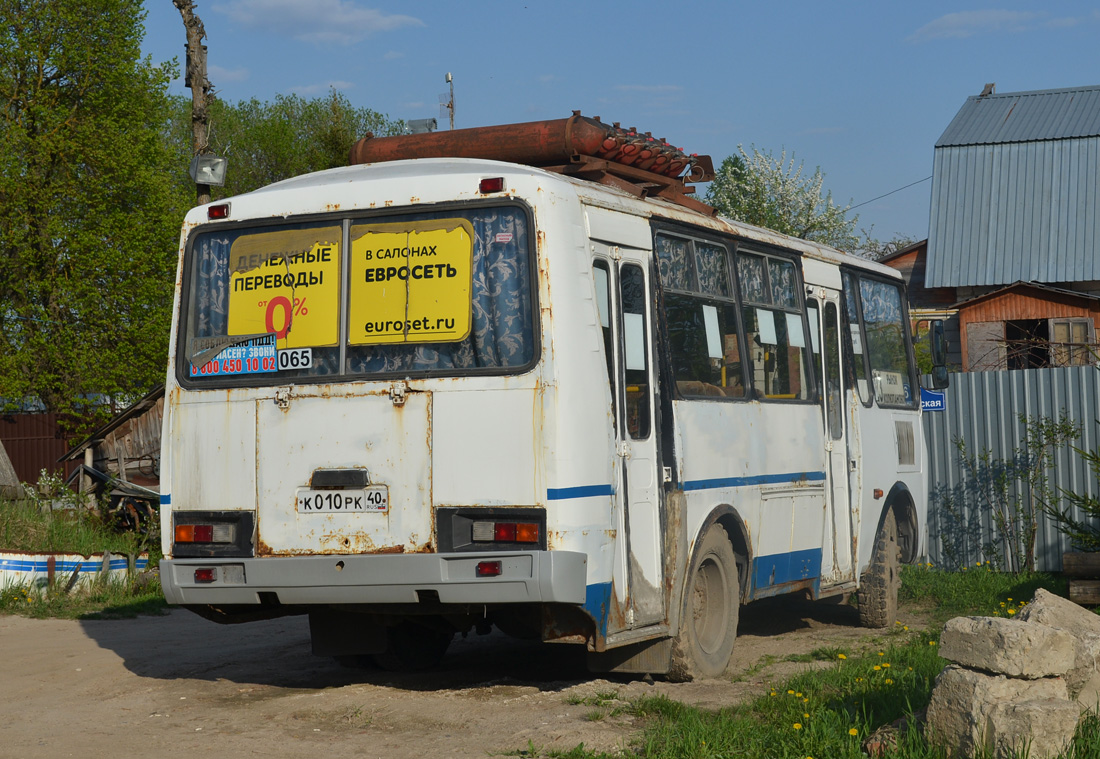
x=488, y=569
x=495, y=184
x=204, y=533
x=204, y=575
x=504, y=532
x=220, y=211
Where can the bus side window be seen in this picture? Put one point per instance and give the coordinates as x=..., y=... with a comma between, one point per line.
x=632, y=296
x=773, y=326
x=813, y=311
x=602, y=275
x=855, y=339
x=832, y=373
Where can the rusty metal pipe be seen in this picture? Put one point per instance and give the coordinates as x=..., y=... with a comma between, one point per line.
x=535, y=143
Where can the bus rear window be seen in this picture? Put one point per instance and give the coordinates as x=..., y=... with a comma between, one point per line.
x=437, y=293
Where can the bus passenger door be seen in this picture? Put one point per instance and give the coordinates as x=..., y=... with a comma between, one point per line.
x=836, y=565
x=637, y=488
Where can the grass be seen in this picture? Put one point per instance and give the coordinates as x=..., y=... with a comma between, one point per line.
x=830, y=712
x=25, y=527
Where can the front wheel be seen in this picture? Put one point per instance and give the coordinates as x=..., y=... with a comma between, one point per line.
x=878, y=588
x=708, y=620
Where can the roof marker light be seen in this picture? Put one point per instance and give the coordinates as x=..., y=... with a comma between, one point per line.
x=495, y=184
x=220, y=211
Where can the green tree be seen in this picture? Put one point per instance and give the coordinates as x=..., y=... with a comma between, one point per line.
x=269, y=141
x=760, y=189
x=88, y=213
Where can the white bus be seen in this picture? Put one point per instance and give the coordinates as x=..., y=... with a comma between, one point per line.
x=424, y=395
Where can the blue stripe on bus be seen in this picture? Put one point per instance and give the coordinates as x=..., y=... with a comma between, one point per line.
x=756, y=479
x=165, y=499
x=781, y=568
x=597, y=602
x=583, y=491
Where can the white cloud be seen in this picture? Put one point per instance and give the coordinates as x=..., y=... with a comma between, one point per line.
x=324, y=87
x=342, y=22
x=219, y=74
x=969, y=23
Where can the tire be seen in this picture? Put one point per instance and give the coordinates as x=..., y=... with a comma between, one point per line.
x=878, y=587
x=413, y=647
x=708, y=617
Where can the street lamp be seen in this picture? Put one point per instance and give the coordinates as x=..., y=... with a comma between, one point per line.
x=208, y=169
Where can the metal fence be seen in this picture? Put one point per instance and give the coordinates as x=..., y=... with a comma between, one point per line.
x=984, y=409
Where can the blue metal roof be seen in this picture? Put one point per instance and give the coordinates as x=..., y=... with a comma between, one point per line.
x=1025, y=116
x=1016, y=191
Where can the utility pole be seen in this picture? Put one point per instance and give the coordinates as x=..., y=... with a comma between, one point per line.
x=451, y=102
x=195, y=78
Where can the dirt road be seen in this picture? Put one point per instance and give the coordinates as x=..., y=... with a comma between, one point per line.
x=180, y=686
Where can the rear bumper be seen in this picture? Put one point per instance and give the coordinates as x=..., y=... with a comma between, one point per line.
x=526, y=577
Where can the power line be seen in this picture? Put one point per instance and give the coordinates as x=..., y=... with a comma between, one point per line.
x=880, y=197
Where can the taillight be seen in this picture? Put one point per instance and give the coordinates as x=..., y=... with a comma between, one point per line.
x=488, y=569
x=205, y=575
x=494, y=184
x=204, y=533
x=220, y=211
x=505, y=532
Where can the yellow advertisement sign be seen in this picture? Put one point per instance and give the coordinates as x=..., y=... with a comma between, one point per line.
x=410, y=283
x=286, y=282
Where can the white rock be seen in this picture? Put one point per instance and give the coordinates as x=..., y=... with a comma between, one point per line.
x=1008, y=647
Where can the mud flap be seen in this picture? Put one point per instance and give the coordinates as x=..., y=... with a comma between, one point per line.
x=652, y=656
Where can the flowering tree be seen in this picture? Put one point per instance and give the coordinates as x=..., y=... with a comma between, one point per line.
x=760, y=189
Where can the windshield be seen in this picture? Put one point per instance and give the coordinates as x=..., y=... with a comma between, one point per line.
x=438, y=293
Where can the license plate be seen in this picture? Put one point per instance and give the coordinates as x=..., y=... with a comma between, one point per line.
x=372, y=498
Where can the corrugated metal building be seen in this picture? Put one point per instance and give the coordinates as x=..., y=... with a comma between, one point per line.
x=1016, y=192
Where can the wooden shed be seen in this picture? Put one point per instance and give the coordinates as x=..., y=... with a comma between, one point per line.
x=122, y=458
x=1028, y=325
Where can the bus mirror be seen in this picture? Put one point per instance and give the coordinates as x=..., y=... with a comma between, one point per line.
x=940, y=380
x=938, y=344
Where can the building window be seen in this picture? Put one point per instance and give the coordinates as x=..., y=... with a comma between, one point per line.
x=1071, y=342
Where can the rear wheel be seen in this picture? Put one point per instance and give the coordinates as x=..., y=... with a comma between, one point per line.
x=878, y=588
x=708, y=620
x=411, y=647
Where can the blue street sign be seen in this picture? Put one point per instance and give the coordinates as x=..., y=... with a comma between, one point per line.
x=931, y=400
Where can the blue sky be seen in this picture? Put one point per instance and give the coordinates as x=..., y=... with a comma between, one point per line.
x=861, y=89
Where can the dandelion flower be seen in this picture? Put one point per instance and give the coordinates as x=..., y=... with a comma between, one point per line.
x=798, y=695
x=790, y=693
x=906, y=628
x=931, y=642
x=841, y=656
x=805, y=715
x=1011, y=612
x=1002, y=604
x=877, y=668
x=853, y=731
x=880, y=653
x=859, y=679
x=886, y=664
x=889, y=681
x=805, y=700
x=797, y=725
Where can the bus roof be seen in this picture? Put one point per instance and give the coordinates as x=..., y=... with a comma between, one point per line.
x=349, y=189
